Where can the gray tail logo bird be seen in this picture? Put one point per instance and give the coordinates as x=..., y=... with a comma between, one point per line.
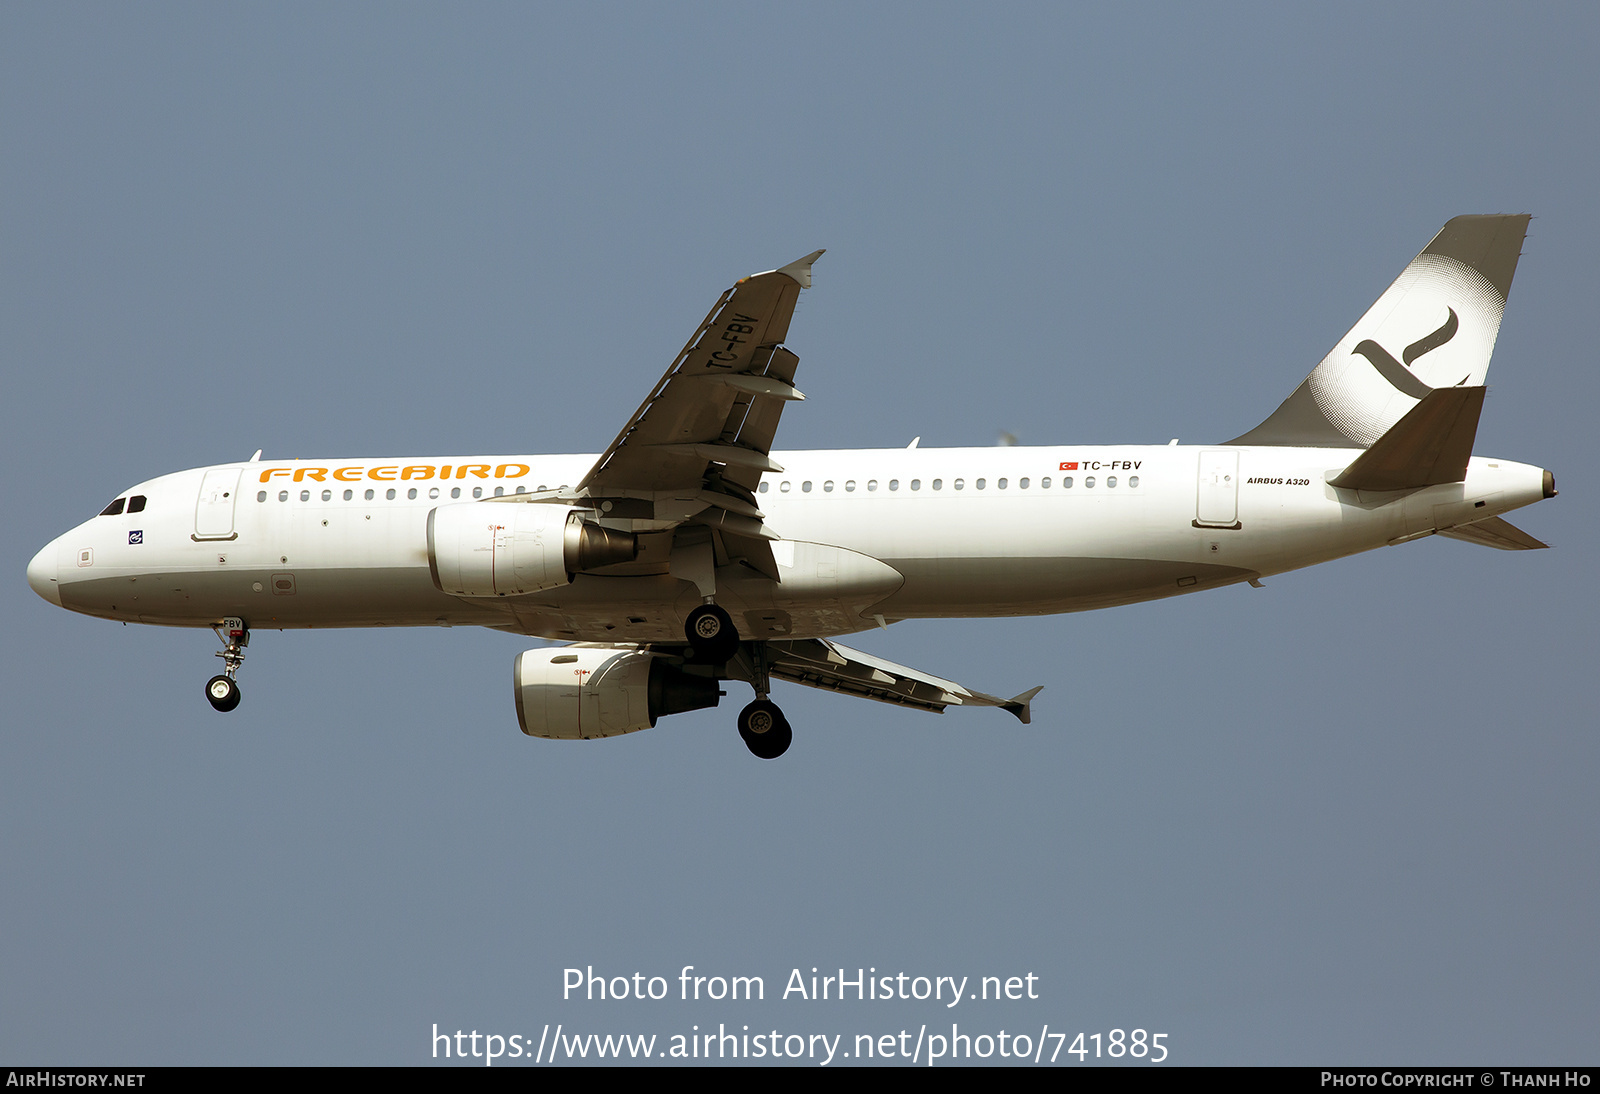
x=1400, y=375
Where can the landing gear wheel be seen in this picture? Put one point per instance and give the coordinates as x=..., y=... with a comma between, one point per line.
x=758, y=718
x=223, y=693
x=711, y=633
x=765, y=730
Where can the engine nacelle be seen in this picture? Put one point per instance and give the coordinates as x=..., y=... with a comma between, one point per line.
x=506, y=549
x=580, y=692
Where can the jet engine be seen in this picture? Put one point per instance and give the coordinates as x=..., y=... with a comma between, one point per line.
x=506, y=549
x=580, y=692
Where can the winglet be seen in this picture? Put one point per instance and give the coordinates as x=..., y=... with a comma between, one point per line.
x=1021, y=705
x=800, y=268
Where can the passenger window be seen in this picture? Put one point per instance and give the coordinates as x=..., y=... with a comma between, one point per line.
x=283, y=495
x=938, y=484
x=371, y=494
x=389, y=494
x=455, y=491
x=1111, y=482
x=114, y=509
x=136, y=504
x=894, y=484
x=433, y=492
x=783, y=487
x=1133, y=481
x=348, y=494
x=959, y=483
x=477, y=491
x=872, y=484
x=805, y=487
x=827, y=487
x=411, y=495
x=850, y=486
x=327, y=495
x=499, y=492
x=1088, y=482
x=261, y=495
x=1001, y=484
x=1022, y=484
x=520, y=490
x=916, y=484
x=762, y=489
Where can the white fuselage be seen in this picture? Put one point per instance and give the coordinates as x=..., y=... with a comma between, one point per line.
x=869, y=536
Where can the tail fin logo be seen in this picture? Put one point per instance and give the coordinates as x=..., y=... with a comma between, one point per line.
x=1401, y=376
x=1455, y=290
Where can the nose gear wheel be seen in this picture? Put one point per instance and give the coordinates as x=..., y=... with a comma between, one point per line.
x=222, y=690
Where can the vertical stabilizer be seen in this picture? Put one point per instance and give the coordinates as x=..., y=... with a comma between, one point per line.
x=1435, y=327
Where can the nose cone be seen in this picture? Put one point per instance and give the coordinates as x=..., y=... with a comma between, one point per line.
x=42, y=575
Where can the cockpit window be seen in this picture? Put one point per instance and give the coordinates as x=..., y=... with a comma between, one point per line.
x=136, y=504
x=114, y=509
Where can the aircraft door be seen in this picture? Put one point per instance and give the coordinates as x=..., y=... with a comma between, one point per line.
x=213, y=513
x=1217, y=504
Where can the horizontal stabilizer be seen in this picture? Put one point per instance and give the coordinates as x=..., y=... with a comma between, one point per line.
x=1494, y=532
x=1429, y=446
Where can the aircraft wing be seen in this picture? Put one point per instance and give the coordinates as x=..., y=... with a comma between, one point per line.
x=819, y=663
x=699, y=443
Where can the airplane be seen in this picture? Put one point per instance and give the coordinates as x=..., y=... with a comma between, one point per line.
x=689, y=553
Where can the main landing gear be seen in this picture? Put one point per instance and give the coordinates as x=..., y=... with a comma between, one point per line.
x=711, y=634
x=714, y=640
x=762, y=726
x=765, y=730
x=222, y=690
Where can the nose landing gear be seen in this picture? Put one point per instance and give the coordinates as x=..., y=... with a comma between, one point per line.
x=222, y=691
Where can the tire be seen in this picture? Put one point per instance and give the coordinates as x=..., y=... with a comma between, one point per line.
x=711, y=634
x=759, y=718
x=775, y=740
x=222, y=693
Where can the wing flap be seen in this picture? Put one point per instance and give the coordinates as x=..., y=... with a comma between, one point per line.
x=819, y=663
